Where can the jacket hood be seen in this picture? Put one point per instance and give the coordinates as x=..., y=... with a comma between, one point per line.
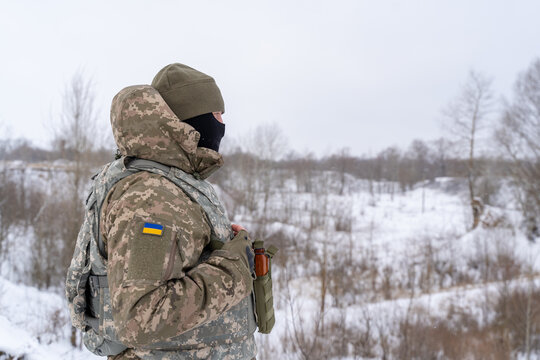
x=145, y=127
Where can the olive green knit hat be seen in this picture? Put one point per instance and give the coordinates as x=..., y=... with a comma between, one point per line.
x=188, y=92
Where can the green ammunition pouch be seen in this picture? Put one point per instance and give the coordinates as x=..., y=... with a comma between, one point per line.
x=262, y=287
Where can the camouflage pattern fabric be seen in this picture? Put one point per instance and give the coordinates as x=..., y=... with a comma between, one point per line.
x=162, y=292
x=170, y=297
x=86, y=260
x=78, y=273
x=231, y=327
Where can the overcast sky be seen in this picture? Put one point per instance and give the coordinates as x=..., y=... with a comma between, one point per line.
x=331, y=74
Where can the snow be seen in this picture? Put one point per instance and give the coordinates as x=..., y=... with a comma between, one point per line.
x=398, y=230
x=393, y=232
x=33, y=323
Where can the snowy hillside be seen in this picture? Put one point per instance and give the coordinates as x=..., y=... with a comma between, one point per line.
x=370, y=273
x=34, y=325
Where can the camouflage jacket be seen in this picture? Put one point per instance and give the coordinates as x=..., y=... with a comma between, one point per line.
x=160, y=286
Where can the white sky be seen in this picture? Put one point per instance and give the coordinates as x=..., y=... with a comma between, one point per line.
x=332, y=74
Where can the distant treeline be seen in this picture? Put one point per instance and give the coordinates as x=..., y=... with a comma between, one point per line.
x=419, y=162
x=24, y=150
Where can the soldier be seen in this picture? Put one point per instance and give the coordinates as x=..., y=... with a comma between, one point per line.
x=176, y=291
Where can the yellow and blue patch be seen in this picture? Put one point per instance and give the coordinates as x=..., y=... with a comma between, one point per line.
x=152, y=229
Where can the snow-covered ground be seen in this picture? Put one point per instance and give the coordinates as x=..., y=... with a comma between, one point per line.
x=384, y=253
x=420, y=237
x=34, y=324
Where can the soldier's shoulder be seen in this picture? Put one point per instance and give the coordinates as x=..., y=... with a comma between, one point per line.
x=149, y=194
x=146, y=185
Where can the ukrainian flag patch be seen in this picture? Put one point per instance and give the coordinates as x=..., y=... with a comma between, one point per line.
x=152, y=229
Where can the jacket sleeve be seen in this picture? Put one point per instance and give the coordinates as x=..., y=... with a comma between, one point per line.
x=155, y=235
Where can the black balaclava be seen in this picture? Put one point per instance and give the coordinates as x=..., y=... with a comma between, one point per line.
x=210, y=128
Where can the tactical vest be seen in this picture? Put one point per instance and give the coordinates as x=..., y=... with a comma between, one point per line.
x=87, y=287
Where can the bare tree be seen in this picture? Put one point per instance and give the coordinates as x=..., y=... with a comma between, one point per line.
x=468, y=114
x=268, y=144
x=519, y=136
x=304, y=167
x=441, y=149
x=74, y=139
x=390, y=169
x=8, y=215
x=12, y=195
x=74, y=135
x=5, y=141
x=419, y=153
x=5, y=189
x=342, y=163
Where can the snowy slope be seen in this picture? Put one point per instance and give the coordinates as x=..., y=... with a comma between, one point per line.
x=34, y=324
x=409, y=250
